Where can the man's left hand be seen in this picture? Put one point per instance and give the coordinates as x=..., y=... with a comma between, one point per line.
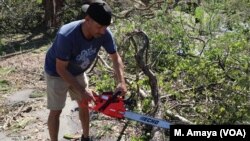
x=121, y=87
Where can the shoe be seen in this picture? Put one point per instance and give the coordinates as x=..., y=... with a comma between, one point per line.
x=85, y=139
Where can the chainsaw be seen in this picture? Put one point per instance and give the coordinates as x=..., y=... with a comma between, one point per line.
x=113, y=105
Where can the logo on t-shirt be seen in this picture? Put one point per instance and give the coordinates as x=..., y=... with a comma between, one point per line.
x=84, y=58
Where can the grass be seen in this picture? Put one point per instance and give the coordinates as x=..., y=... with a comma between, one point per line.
x=37, y=94
x=5, y=84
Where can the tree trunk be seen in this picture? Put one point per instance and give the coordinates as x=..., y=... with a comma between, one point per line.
x=141, y=60
x=52, y=8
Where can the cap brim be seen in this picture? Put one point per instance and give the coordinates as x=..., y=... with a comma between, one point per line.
x=85, y=8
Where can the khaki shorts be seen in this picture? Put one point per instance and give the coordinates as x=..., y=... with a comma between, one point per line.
x=57, y=90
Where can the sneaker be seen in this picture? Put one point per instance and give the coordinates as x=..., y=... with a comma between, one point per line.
x=85, y=139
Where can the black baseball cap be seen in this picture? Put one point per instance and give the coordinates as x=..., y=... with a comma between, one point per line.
x=99, y=11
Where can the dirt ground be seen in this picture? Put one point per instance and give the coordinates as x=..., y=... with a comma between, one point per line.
x=23, y=112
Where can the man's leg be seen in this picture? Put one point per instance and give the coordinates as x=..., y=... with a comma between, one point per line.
x=56, y=96
x=84, y=118
x=53, y=124
x=83, y=110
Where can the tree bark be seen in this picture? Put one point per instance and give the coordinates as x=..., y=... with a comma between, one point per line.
x=52, y=8
x=141, y=60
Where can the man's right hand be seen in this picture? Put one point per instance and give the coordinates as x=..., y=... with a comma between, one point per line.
x=88, y=95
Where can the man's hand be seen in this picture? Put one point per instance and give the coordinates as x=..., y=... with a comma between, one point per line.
x=121, y=87
x=88, y=95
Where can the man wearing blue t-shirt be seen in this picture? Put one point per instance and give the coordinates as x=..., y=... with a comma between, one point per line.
x=75, y=47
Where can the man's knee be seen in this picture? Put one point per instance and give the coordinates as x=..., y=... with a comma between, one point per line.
x=55, y=113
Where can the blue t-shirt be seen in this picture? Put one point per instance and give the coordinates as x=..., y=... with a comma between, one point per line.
x=71, y=45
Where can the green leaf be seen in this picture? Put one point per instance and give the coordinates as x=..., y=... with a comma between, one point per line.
x=199, y=13
x=39, y=1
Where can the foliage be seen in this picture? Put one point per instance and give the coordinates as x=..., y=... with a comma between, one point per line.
x=4, y=84
x=71, y=11
x=37, y=94
x=102, y=80
x=141, y=138
x=201, y=58
x=19, y=15
x=22, y=16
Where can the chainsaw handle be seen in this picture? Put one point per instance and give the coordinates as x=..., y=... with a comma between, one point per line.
x=105, y=105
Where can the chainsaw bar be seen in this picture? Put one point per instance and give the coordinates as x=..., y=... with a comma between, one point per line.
x=147, y=119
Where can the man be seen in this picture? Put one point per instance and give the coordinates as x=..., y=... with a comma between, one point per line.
x=74, y=49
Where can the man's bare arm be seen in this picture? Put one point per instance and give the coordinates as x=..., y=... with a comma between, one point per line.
x=61, y=68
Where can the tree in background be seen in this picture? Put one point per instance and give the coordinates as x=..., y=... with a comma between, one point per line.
x=52, y=9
